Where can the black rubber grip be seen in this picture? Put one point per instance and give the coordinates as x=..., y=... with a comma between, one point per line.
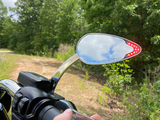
x=48, y=113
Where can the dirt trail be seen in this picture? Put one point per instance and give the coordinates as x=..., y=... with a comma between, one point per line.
x=72, y=86
x=5, y=51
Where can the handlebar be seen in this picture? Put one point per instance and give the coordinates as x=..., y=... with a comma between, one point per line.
x=48, y=113
x=10, y=86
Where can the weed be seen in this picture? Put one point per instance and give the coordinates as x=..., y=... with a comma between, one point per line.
x=86, y=77
x=37, y=53
x=102, y=98
x=94, y=80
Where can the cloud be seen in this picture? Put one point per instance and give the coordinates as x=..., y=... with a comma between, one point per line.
x=9, y=3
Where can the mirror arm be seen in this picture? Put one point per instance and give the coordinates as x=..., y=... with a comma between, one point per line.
x=60, y=71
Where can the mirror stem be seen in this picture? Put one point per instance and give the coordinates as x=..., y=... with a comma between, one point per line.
x=60, y=71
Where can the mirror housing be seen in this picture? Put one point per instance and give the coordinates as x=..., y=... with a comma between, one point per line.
x=100, y=48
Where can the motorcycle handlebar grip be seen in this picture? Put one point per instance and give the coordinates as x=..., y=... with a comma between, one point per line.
x=48, y=113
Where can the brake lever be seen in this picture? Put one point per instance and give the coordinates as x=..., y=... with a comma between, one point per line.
x=79, y=116
x=62, y=105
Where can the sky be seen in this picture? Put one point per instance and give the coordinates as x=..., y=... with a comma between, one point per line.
x=9, y=3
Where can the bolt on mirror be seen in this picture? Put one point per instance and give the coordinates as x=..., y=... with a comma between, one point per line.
x=99, y=48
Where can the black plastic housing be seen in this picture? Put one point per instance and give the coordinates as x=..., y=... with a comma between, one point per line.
x=37, y=99
x=35, y=80
x=29, y=103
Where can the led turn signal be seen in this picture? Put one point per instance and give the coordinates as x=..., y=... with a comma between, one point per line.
x=136, y=49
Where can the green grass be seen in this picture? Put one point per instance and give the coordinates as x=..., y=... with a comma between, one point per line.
x=5, y=68
x=7, y=65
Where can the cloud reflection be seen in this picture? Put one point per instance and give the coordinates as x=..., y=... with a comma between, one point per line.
x=102, y=49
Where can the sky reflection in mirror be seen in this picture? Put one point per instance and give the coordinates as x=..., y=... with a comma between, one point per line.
x=102, y=49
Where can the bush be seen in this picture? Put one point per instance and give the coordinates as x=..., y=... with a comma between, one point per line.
x=143, y=103
x=119, y=75
x=63, y=56
x=139, y=101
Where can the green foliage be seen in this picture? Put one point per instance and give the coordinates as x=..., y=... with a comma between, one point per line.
x=63, y=56
x=44, y=23
x=137, y=20
x=102, y=96
x=47, y=52
x=119, y=75
x=102, y=99
x=27, y=25
x=106, y=90
x=97, y=69
x=139, y=101
x=143, y=103
x=3, y=17
x=87, y=76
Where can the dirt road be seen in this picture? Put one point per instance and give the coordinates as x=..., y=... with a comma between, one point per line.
x=73, y=86
x=5, y=51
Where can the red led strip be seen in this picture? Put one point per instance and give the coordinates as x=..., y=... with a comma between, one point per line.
x=136, y=49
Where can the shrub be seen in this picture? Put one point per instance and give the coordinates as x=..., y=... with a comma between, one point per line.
x=143, y=103
x=119, y=75
x=63, y=56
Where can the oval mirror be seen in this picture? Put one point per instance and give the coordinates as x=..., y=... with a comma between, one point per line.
x=98, y=48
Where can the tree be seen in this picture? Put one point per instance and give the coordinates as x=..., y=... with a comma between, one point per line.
x=43, y=24
x=3, y=13
x=60, y=22
x=65, y=21
x=44, y=39
x=137, y=20
x=27, y=25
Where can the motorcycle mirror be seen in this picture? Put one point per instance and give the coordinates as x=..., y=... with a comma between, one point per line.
x=99, y=48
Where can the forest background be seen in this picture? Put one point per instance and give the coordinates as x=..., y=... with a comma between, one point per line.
x=42, y=25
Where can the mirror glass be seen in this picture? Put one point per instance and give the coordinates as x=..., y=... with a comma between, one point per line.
x=98, y=48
